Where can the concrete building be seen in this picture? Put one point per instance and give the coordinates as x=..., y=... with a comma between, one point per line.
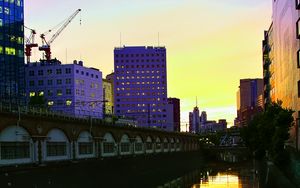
x=248, y=96
x=140, y=85
x=71, y=89
x=110, y=79
x=12, y=76
x=284, y=55
x=176, y=113
x=108, y=96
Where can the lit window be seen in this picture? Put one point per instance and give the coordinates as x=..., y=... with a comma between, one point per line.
x=68, y=102
x=50, y=103
x=1, y=22
x=10, y=51
x=41, y=93
x=32, y=94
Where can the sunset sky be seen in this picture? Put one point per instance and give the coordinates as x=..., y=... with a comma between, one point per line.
x=211, y=44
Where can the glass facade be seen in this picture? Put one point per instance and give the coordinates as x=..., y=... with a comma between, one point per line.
x=12, y=82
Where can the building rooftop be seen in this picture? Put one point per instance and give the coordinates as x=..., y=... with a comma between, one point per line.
x=140, y=47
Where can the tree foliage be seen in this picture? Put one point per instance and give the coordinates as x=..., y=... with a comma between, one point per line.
x=268, y=131
x=37, y=102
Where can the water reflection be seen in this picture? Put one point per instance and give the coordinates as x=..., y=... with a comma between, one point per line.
x=240, y=177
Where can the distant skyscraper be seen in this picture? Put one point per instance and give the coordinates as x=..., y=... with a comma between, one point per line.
x=12, y=76
x=195, y=120
x=70, y=89
x=140, y=85
x=203, y=117
x=248, y=97
x=176, y=113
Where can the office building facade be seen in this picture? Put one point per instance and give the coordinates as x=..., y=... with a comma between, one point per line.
x=69, y=89
x=108, y=97
x=12, y=82
x=248, y=97
x=284, y=55
x=140, y=85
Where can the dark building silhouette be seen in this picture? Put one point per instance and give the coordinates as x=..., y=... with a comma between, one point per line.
x=176, y=113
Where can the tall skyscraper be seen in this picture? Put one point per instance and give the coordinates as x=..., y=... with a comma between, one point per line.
x=248, y=97
x=12, y=81
x=176, y=113
x=140, y=85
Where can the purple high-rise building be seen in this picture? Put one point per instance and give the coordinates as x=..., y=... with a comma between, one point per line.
x=71, y=89
x=140, y=85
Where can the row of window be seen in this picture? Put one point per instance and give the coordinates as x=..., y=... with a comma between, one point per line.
x=59, y=92
x=49, y=72
x=11, y=51
x=49, y=82
x=119, y=73
x=139, y=83
x=144, y=110
x=17, y=2
x=138, y=66
x=142, y=88
x=142, y=77
x=141, y=99
x=140, y=55
x=139, y=60
x=139, y=94
x=86, y=74
x=14, y=150
x=67, y=102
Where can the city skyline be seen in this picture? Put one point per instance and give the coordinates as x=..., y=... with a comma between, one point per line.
x=190, y=40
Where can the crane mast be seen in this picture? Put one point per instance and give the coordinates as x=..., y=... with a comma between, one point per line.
x=46, y=44
x=30, y=43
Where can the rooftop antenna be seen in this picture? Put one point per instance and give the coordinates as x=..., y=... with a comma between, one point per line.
x=196, y=101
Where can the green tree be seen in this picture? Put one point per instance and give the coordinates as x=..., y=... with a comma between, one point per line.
x=37, y=102
x=268, y=132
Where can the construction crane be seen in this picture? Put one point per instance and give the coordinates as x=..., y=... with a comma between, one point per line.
x=30, y=43
x=46, y=44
